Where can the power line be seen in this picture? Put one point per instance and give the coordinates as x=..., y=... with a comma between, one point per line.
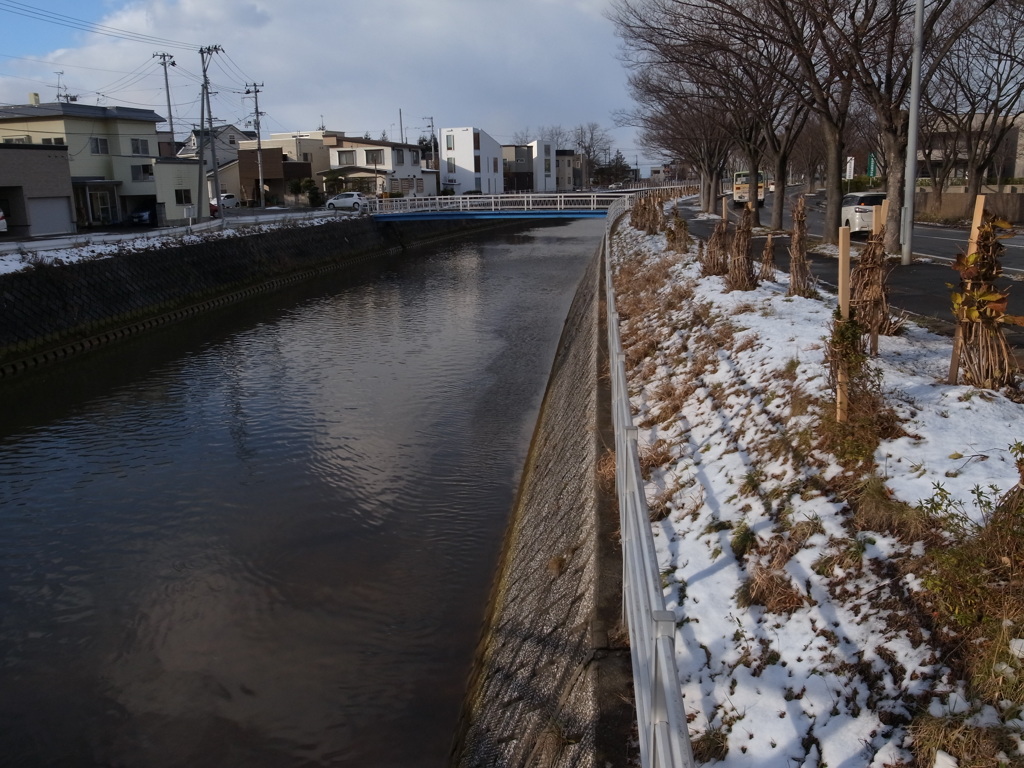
x=87, y=26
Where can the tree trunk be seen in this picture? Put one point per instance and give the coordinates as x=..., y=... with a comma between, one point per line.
x=833, y=182
x=895, y=149
x=779, y=196
x=752, y=188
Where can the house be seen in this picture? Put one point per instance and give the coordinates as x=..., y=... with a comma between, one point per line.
x=565, y=178
x=35, y=189
x=224, y=139
x=529, y=167
x=378, y=167
x=113, y=158
x=470, y=162
x=241, y=177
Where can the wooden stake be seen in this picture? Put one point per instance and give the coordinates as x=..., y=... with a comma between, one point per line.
x=877, y=219
x=843, y=383
x=972, y=245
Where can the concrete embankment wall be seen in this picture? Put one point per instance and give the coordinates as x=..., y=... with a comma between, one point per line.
x=50, y=312
x=551, y=682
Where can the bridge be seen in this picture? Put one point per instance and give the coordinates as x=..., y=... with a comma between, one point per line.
x=562, y=205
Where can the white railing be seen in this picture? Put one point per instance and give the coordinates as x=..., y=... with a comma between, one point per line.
x=563, y=201
x=664, y=740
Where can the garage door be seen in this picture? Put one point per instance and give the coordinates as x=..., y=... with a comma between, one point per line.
x=50, y=216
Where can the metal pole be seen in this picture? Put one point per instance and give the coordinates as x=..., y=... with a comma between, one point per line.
x=910, y=174
x=213, y=139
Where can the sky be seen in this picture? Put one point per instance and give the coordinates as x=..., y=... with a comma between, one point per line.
x=386, y=66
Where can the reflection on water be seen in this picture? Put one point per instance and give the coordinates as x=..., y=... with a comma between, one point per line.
x=272, y=545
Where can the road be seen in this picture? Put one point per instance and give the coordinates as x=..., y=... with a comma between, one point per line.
x=920, y=288
x=931, y=241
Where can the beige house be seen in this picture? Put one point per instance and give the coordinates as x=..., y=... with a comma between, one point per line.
x=35, y=189
x=113, y=158
x=377, y=167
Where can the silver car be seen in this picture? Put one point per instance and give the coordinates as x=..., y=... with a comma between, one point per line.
x=3, y=222
x=348, y=201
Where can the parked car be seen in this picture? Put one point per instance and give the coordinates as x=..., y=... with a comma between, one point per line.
x=349, y=201
x=144, y=215
x=227, y=201
x=857, y=210
x=616, y=185
x=3, y=222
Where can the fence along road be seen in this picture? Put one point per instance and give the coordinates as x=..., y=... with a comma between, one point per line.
x=661, y=720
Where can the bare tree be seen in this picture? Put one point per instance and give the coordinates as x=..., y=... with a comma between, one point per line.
x=556, y=134
x=593, y=142
x=678, y=122
x=976, y=96
x=522, y=137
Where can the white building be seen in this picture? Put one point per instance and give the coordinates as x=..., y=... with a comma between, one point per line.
x=544, y=178
x=470, y=161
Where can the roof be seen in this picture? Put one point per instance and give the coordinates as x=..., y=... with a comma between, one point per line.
x=73, y=109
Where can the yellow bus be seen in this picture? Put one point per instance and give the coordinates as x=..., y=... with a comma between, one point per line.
x=741, y=189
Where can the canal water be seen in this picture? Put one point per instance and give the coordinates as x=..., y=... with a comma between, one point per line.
x=265, y=537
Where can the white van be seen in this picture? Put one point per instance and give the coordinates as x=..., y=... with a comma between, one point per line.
x=857, y=210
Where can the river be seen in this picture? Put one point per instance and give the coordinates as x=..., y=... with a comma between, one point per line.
x=265, y=536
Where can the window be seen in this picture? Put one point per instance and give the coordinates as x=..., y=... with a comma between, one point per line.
x=399, y=157
x=547, y=167
x=18, y=140
x=414, y=156
x=375, y=157
x=476, y=141
x=140, y=146
x=547, y=150
x=346, y=157
x=449, y=141
x=142, y=173
x=476, y=163
x=59, y=140
x=231, y=138
x=183, y=196
x=495, y=169
x=98, y=146
x=451, y=165
x=305, y=157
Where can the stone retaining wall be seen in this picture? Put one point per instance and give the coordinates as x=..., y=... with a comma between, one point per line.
x=50, y=312
x=551, y=683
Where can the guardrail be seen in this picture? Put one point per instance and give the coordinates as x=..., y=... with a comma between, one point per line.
x=661, y=720
x=534, y=201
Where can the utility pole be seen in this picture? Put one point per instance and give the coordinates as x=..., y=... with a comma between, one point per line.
x=435, y=151
x=254, y=89
x=204, y=53
x=167, y=89
x=910, y=174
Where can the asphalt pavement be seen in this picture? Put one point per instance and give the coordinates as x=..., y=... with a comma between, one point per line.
x=920, y=289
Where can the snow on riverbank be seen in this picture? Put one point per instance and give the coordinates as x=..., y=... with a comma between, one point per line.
x=827, y=663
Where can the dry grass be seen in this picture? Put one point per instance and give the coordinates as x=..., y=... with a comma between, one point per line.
x=973, y=747
x=710, y=746
x=654, y=456
x=875, y=509
x=772, y=589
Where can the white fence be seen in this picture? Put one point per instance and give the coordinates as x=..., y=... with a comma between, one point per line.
x=564, y=201
x=664, y=740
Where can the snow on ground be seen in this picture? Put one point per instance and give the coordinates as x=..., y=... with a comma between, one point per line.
x=16, y=257
x=728, y=399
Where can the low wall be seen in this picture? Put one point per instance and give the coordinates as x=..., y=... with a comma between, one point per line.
x=960, y=206
x=551, y=683
x=50, y=312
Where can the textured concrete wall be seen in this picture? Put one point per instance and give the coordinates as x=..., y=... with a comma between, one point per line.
x=549, y=688
x=51, y=312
